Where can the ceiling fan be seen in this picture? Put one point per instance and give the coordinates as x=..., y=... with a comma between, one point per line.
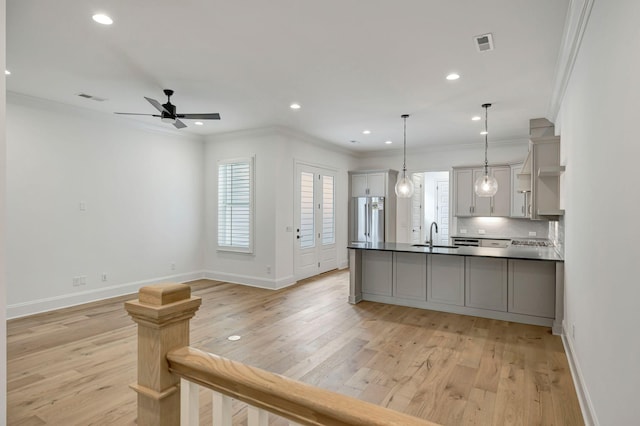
x=168, y=112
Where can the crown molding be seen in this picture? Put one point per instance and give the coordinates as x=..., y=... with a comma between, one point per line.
x=574, y=27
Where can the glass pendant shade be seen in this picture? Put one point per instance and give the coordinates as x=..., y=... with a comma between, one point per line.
x=486, y=186
x=404, y=187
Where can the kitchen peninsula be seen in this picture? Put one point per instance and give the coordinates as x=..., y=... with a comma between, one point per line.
x=520, y=284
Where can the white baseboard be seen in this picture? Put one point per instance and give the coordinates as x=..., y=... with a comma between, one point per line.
x=343, y=264
x=271, y=284
x=32, y=307
x=586, y=406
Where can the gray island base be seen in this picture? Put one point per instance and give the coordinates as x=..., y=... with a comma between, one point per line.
x=524, y=285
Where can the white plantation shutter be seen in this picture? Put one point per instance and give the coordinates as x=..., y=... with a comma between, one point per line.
x=307, y=222
x=328, y=216
x=235, y=205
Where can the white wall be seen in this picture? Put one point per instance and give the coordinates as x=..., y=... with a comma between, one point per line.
x=600, y=148
x=3, y=239
x=276, y=150
x=143, y=196
x=441, y=158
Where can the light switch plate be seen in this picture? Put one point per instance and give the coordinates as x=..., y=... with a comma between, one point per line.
x=463, y=231
x=532, y=233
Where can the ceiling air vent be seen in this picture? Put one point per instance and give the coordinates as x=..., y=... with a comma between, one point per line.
x=484, y=42
x=93, y=98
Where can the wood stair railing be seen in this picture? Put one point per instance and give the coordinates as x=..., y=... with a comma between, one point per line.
x=165, y=358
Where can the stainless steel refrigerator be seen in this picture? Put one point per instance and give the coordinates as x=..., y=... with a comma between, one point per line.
x=368, y=220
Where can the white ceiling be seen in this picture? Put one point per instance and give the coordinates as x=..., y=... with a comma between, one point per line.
x=351, y=64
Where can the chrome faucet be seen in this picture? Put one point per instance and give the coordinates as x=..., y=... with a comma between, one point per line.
x=430, y=241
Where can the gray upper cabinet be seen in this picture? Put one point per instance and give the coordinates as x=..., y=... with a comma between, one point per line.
x=466, y=203
x=369, y=185
x=501, y=202
x=541, y=171
x=486, y=283
x=463, y=192
x=519, y=198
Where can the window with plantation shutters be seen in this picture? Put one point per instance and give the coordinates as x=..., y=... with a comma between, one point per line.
x=235, y=205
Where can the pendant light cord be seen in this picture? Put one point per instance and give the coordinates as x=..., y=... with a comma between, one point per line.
x=404, y=159
x=486, y=142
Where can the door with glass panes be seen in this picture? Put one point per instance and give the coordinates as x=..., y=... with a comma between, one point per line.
x=315, y=221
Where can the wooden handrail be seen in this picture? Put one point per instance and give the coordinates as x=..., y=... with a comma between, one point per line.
x=294, y=400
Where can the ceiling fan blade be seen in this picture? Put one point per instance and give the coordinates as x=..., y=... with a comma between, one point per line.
x=157, y=105
x=212, y=116
x=135, y=113
x=179, y=124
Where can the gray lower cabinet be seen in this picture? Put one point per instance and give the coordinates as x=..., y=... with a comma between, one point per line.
x=377, y=272
x=445, y=282
x=532, y=287
x=410, y=273
x=486, y=283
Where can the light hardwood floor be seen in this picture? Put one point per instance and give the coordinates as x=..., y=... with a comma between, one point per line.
x=73, y=366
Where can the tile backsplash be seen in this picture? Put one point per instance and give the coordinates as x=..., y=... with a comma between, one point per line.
x=504, y=227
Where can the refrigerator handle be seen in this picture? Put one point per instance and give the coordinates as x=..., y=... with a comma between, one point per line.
x=366, y=220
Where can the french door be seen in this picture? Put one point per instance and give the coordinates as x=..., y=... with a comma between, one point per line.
x=315, y=221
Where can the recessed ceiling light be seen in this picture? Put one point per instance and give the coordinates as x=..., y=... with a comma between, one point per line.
x=484, y=132
x=388, y=142
x=476, y=118
x=199, y=123
x=453, y=76
x=7, y=72
x=103, y=19
x=294, y=106
x=366, y=132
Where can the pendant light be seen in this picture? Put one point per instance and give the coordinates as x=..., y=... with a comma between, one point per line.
x=404, y=186
x=486, y=186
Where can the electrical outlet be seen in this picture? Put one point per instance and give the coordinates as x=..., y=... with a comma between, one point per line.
x=268, y=269
x=463, y=231
x=173, y=266
x=532, y=233
x=103, y=276
x=79, y=280
x=82, y=206
x=481, y=231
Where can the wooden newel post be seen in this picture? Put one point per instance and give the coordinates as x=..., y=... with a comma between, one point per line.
x=162, y=312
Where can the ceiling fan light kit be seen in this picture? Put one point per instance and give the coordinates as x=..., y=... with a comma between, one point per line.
x=168, y=112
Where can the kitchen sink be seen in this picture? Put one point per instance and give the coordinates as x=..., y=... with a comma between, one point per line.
x=434, y=246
